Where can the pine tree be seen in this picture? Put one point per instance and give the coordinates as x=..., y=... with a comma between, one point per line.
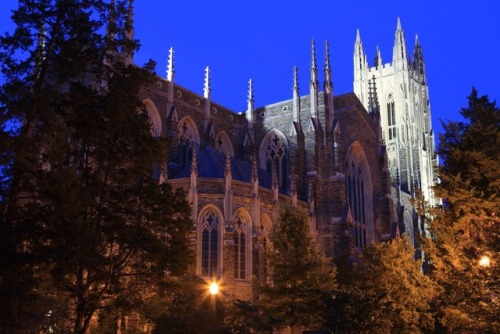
x=301, y=279
x=466, y=228
x=84, y=224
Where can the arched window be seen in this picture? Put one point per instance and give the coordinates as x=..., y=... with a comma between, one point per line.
x=240, y=247
x=274, y=156
x=391, y=117
x=223, y=143
x=358, y=195
x=209, y=244
x=188, y=140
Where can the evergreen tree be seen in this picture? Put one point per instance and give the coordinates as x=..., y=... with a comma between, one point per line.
x=398, y=292
x=83, y=224
x=301, y=279
x=466, y=228
x=385, y=292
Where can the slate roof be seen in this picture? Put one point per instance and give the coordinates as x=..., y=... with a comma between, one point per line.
x=211, y=164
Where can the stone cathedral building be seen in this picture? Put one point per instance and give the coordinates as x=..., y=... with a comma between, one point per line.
x=399, y=92
x=353, y=161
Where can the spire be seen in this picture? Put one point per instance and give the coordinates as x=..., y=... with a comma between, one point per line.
x=399, y=50
x=206, y=95
x=249, y=136
x=314, y=69
x=360, y=70
x=296, y=96
x=328, y=70
x=328, y=87
x=206, y=88
x=418, y=61
x=378, y=58
x=170, y=65
x=360, y=65
x=250, y=100
x=313, y=86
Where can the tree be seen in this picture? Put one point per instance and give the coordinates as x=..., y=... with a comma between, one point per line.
x=83, y=225
x=301, y=279
x=466, y=227
x=398, y=292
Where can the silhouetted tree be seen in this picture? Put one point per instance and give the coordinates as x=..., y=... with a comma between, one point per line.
x=83, y=223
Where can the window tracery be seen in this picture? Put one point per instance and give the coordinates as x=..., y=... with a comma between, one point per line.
x=275, y=157
x=240, y=251
x=209, y=244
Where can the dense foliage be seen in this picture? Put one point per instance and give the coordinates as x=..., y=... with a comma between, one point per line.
x=466, y=228
x=300, y=280
x=83, y=222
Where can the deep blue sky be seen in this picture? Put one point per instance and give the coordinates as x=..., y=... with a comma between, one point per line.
x=264, y=39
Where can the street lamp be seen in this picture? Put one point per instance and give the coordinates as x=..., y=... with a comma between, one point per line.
x=484, y=261
x=213, y=288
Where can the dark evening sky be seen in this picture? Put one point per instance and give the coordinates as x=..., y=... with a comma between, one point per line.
x=264, y=39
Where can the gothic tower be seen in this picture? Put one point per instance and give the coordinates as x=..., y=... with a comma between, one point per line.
x=398, y=91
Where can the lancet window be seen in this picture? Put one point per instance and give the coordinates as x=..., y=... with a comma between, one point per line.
x=240, y=249
x=209, y=244
x=391, y=117
x=359, y=198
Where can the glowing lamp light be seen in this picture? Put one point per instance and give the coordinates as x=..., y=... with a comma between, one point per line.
x=214, y=288
x=484, y=261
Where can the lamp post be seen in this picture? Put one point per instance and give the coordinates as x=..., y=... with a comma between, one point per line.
x=213, y=289
x=484, y=261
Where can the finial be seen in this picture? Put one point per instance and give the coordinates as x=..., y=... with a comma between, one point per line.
x=295, y=79
x=250, y=91
x=170, y=65
x=313, y=59
x=328, y=69
x=327, y=56
x=399, y=25
x=358, y=36
x=378, y=58
x=417, y=42
x=207, y=89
